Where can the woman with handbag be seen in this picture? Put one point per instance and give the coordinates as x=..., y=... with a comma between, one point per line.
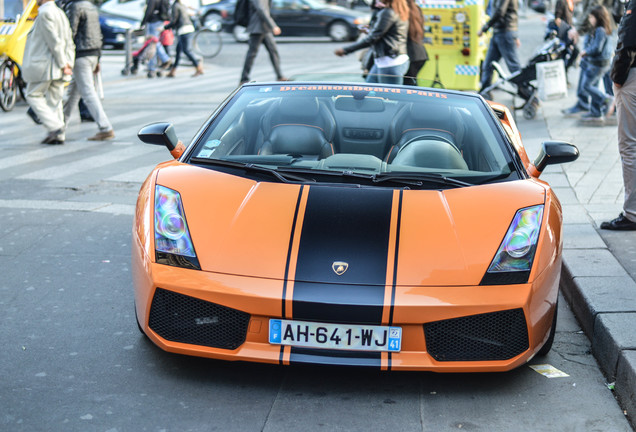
x=387, y=41
x=181, y=22
x=415, y=44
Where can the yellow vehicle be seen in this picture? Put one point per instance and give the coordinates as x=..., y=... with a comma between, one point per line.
x=16, y=19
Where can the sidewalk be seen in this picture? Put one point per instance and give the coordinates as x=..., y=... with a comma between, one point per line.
x=598, y=266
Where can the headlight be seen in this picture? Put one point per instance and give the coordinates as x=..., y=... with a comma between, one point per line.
x=173, y=244
x=118, y=23
x=513, y=260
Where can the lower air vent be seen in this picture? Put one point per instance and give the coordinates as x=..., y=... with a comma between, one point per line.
x=492, y=336
x=180, y=318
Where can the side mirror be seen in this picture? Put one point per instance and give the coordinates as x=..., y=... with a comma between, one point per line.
x=555, y=152
x=162, y=134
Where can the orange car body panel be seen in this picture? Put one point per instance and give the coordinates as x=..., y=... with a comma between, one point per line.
x=247, y=234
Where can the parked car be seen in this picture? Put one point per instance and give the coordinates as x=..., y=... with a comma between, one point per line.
x=215, y=13
x=383, y=226
x=212, y=11
x=309, y=18
x=114, y=29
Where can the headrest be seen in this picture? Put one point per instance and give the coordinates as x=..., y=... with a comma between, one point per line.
x=299, y=108
x=297, y=139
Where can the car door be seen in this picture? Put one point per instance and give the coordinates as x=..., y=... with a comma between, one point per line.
x=295, y=18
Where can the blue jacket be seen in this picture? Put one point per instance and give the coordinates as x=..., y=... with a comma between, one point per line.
x=598, y=47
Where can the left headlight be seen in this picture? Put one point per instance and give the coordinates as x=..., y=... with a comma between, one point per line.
x=513, y=261
x=173, y=244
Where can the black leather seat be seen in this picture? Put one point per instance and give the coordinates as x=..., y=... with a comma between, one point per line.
x=298, y=126
x=430, y=151
x=417, y=120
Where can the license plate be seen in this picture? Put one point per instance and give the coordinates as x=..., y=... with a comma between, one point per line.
x=335, y=336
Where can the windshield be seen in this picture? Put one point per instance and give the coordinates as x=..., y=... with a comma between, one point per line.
x=10, y=9
x=359, y=131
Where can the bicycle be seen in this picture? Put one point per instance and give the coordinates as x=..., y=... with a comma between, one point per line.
x=207, y=40
x=14, y=28
x=10, y=84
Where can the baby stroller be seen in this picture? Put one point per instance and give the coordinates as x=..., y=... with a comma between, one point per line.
x=149, y=49
x=521, y=83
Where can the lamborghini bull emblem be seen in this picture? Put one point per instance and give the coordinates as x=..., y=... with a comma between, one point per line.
x=339, y=267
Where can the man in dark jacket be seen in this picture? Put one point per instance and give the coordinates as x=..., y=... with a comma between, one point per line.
x=84, y=19
x=262, y=30
x=623, y=74
x=504, y=41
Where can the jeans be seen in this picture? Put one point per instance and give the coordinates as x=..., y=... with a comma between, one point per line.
x=388, y=75
x=502, y=44
x=256, y=39
x=83, y=85
x=183, y=45
x=153, y=29
x=588, y=85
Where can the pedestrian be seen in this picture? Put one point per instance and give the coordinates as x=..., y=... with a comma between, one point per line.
x=183, y=26
x=49, y=54
x=157, y=12
x=84, y=20
x=262, y=29
x=595, y=62
x=504, y=42
x=562, y=24
x=387, y=40
x=623, y=73
x=415, y=44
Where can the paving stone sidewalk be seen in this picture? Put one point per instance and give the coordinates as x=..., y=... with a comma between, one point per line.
x=599, y=265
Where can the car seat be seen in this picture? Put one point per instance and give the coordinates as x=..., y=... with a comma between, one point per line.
x=298, y=126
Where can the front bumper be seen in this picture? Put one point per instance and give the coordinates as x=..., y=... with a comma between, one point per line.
x=445, y=329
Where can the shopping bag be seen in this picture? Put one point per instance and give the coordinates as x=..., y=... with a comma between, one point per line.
x=551, y=81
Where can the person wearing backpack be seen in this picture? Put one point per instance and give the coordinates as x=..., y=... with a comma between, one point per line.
x=157, y=12
x=262, y=30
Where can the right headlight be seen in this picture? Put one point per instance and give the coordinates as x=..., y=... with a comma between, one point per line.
x=513, y=261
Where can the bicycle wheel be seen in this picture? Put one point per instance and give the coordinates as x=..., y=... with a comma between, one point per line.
x=8, y=85
x=208, y=43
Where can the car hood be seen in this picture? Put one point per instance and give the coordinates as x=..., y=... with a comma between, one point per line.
x=313, y=232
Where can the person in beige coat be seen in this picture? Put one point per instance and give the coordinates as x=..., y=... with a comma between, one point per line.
x=49, y=55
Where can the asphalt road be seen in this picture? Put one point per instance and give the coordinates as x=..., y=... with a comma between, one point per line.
x=74, y=360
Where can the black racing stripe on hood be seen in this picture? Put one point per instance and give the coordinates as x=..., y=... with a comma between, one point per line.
x=350, y=225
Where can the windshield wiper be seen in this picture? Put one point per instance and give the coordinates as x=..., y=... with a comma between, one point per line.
x=283, y=177
x=418, y=179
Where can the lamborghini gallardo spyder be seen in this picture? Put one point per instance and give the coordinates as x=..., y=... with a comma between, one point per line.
x=394, y=227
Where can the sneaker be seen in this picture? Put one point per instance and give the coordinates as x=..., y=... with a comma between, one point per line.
x=103, y=136
x=573, y=111
x=621, y=223
x=591, y=120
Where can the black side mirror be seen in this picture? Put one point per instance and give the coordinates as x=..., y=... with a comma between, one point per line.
x=555, y=152
x=159, y=134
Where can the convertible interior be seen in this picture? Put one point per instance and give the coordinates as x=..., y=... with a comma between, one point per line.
x=357, y=132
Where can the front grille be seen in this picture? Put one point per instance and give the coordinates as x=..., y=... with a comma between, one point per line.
x=181, y=318
x=492, y=336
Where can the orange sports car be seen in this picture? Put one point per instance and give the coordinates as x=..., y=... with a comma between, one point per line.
x=394, y=227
